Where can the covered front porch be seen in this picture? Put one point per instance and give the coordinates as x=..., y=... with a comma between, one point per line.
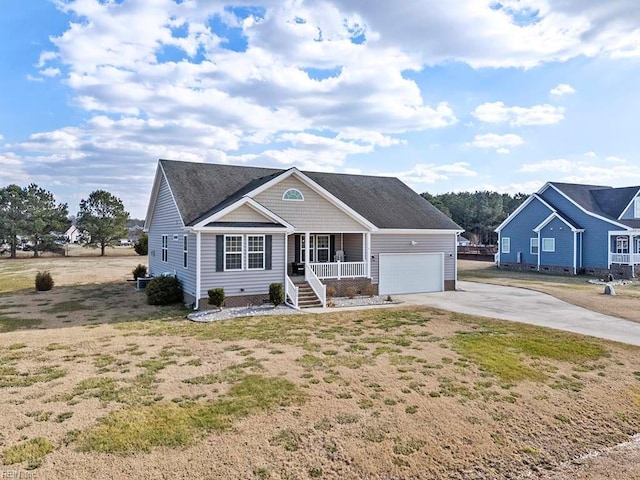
x=624, y=247
x=312, y=257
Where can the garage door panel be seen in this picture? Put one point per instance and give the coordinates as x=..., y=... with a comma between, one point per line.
x=411, y=273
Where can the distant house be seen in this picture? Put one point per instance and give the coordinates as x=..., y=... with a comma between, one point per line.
x=73, y=235
x=244, y=228
x=463, y=242
x=574, y=228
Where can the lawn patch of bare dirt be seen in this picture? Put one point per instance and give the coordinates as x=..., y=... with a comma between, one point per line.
x=390, y=393
x=571, y=289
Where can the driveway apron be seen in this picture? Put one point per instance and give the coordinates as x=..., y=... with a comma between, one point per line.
x=527, y=306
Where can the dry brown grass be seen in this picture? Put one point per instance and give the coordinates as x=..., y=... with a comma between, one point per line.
x=571, y=289
x=393, y=393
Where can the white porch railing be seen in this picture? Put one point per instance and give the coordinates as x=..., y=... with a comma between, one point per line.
x=319, y=288
x=291, y=291
x=339, y=269
x=625, y=258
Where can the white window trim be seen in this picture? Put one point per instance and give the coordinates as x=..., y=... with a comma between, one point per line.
x=636, y=209
x=185, y=251
x=533, y=244
x=505, y=245
x=327, y=248
x=165, y=248
x=284, y=195
x=224, y=259
x=303, y=250
x=248, y=252
x=545, y=246
x=622, y=244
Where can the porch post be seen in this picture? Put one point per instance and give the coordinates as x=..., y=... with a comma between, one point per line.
x=609, y=250
x=307, y=255
x=368, y=253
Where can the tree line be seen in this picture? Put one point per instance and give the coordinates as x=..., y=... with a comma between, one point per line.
x=32, y=212
x=479, y=213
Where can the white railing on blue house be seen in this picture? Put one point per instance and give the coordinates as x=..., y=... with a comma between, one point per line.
x=624, y=258
x=339, y=270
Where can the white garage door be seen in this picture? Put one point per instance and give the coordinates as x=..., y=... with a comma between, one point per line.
x=411, y=273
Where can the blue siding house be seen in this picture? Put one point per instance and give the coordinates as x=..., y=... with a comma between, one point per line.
x=574, y=228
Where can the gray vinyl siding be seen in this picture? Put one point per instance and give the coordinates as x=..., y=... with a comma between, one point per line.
x=166, y=221
x=353, y=247
x=434, y=243
x=563, y=254
x=244, y=214
x=313, y=214
x=253, y=282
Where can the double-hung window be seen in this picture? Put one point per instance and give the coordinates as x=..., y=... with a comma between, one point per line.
x=165, y=248
x=322, y=248
x=255, y=252
x=506, y=245
x=233, y=252
x=548, y=244
x=534, y=246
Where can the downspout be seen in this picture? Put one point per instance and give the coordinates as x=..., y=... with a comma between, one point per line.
x=196, y=305
x=455, y=261
x=575, y=251
x=539, y=250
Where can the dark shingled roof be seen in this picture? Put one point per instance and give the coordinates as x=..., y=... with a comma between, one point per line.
x=201, y=189
x=605, y=201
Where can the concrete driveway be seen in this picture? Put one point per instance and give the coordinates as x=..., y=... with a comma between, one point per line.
x=527, y=306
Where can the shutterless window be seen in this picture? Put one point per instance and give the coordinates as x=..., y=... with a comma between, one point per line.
x=293, y=194
x=622, y=245
x=165, y=248
x=506, y=245
x=233, y=252
x=322, y=248
x=185, y=251
x=534, y=246
x=548, y=244
x=255, y=252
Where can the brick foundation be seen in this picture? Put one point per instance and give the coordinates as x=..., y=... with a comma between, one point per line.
x=449, y=285
x=236, y=301
x=360, y=284
x=618, y=271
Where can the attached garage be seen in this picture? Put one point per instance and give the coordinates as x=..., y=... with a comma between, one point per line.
x=411, y=273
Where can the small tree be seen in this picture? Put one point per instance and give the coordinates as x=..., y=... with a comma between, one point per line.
x=142, y=245
x=44, y=219
x=104, y=219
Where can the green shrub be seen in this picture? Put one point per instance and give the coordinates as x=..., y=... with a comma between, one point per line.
x=276, y=294
x=216, y=296
x=140, y=271
x=164, y=290
x=44, y=281
x=142, y=245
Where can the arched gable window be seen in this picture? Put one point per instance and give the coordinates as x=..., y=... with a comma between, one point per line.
x=293, y=194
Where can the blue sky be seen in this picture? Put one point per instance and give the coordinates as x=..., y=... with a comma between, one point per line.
x=448, y=96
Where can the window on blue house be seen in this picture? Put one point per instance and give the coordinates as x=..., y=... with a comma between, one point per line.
x=622, y=244
x=506, y=245
x=534, y=246
x=548, y=244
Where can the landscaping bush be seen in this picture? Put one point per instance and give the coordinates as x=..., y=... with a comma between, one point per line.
x=276, y=294
x=140, y=271
x=331, y=291
x=142, y=245
x=164, y=290
x=370, y=289
x=216, y=296
x=351, y=291
x=44, y=281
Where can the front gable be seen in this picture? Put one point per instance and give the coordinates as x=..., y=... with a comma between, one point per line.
x=244, y=214
x=632, y=210
x=314, y=212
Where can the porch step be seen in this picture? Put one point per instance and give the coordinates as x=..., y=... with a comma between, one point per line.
x=306, y=296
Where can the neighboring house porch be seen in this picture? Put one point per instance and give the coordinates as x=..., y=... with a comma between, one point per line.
x=624, y=247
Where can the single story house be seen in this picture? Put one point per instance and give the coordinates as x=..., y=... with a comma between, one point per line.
x=244, y=228
x=573, y=228
x=73, y=235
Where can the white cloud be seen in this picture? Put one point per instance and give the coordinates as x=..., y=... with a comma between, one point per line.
x=585, y=171
x=50, y=72
x=590, y=154
x=614, y=159
x=501, y=143
x=562, y=89
x=557, y=165
x=513, y=188
x=498, y=112
x=425, y=174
